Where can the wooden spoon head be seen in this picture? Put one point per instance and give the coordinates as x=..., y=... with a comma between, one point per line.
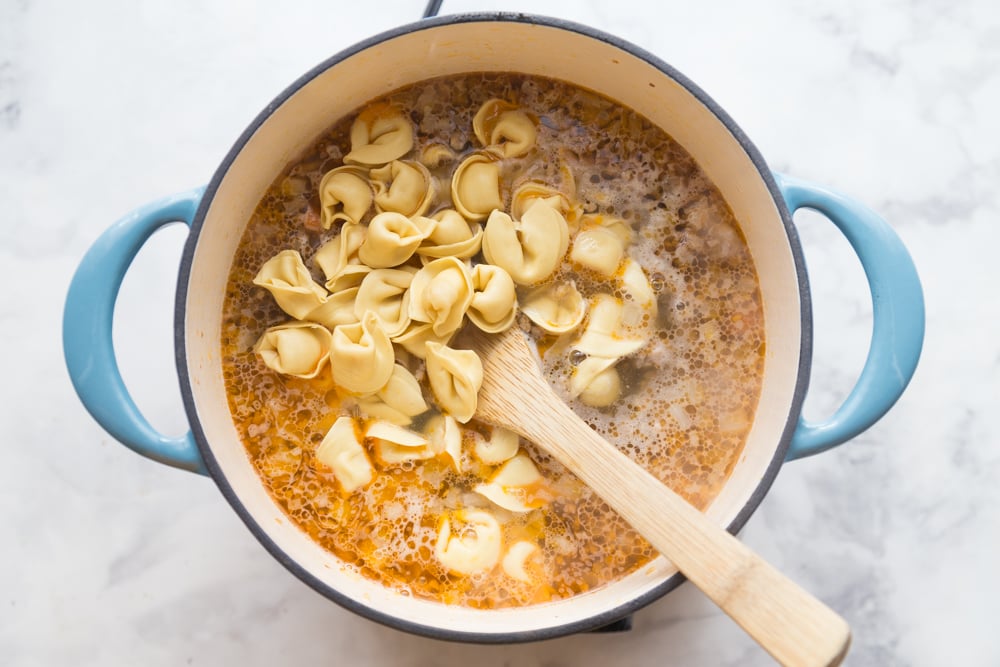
x=512, y=378
x=793, y=626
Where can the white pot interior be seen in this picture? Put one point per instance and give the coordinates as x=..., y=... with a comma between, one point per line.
x=506, y=45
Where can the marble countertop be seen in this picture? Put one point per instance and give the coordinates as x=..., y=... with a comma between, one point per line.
x=109, y=558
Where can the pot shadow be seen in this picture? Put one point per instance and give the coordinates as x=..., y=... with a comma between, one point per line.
x=683, y=628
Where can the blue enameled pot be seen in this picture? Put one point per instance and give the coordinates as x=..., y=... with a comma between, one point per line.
x=217, y=214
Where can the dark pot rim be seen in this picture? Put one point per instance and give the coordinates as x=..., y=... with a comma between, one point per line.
x=592, y=622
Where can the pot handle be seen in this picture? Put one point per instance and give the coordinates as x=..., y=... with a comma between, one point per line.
x=897, y=315
x=87, y=342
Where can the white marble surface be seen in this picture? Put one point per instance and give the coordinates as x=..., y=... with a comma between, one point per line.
x=110, y=559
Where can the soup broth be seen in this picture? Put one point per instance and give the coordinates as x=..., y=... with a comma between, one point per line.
x=681, y=403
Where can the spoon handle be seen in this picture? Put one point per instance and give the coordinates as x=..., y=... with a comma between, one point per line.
x=792, y=625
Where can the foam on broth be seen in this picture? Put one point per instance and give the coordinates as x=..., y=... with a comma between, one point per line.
x=689, y=396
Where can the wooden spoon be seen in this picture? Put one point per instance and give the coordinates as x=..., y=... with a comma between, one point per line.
x=792, y=625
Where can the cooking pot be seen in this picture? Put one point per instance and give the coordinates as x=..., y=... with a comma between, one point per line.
x=218, y=213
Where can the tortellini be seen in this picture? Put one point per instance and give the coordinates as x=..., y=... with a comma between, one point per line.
x=380, y=134
x=385, y=292
x=338, y=258
x=414, y=340
x=494, y=300
x=596, y=382
x=516, y=559
x=446, y=438
x=615, y=329
x=384, y=430
x=475, y=187
x=434, y=155
x=557, y=308
x=529, y=249
x=501, y=446
x=361, y=356
x=298, y=348
x=617, y=226
x=403, y=187
x=639, y=309
x=472, y=544
x=392, y=239
x=399, y=401
x=406, y=268
x=605, y=334
x=344, y=194
x=394, y=444
x=636, y=285
x=455, y=377
x=440, y=294
x=452, y=237
x=502, y=125
x=342, y=451
x=515, y=486
x=532, y=192
x=374, y=297
x=350, y=276
x=288, y=280
x=337, y=309
x=451, y=228
x=598, y=249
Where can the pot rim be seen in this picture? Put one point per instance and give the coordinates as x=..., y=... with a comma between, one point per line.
x=592, y=622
